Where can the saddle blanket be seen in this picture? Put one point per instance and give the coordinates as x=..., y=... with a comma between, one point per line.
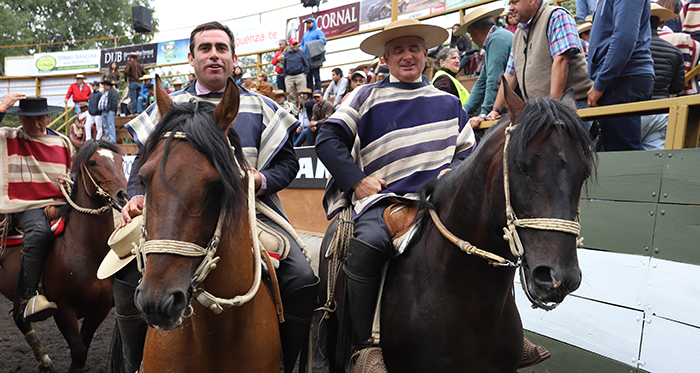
x=57, y=226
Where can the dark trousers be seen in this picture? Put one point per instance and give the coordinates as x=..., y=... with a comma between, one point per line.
x=371, y=228
x=280, y=82
x=36, y=246
x=624, y=133
x=313, y=81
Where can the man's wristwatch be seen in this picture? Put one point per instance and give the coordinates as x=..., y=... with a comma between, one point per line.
x=482, y=116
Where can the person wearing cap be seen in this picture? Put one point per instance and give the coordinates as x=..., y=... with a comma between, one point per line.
x=281, y=99
x=496, y=42
x=621, y=67
x=278, y=61
x=248, y=83
x=80, y=92
x=553, y=60
x=132, y=74
x=313, y=43
x=296, y=68
x=397, y=142
x=336, y=90
x=30, y=190
x=322, y=110
x=95, y=115
x=669, y=79
x=143, y=95
x=273, y=164
x=108, y=105
x=177, y=85
x=357, y=78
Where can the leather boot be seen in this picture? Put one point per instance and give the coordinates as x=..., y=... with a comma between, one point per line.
x=30, y=306
x=363, y=269
x=130, y=325
x=294, y=331
x=532, y=353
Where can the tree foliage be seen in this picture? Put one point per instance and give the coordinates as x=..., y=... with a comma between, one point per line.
x=50, y=21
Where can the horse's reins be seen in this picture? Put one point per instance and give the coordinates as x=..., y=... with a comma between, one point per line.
x=510, y=232
x=209, y=262
x=67, y=181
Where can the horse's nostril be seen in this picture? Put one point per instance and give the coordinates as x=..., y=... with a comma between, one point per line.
x=542, y=276
x=173, y=304
x=121, y=196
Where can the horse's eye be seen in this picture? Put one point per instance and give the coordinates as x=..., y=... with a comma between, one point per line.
x=92, y=163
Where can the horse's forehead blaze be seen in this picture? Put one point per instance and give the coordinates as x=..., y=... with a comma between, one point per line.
x=106, y=153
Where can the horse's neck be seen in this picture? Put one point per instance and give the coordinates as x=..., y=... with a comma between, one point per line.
x=234, y=272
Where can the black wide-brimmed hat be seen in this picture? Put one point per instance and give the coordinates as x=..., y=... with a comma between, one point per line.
x=33, y=106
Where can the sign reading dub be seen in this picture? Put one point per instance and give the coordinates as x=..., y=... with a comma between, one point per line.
x=147, y=52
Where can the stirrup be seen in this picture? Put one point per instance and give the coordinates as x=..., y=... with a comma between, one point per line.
x=367, y=360
x=37, y=308
x=532, y=354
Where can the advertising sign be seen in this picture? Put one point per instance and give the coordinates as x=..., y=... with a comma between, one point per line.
x=174, y=51
x=377, y=13
x=333, y=22
x=312, y=173
x=255, y=39
x=67, y=62
x=118, y=55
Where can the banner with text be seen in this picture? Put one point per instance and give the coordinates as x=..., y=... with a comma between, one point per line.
x=118, y=55
x=333, y=22
x=255, y=39
x=173, y=52
x=67, y=62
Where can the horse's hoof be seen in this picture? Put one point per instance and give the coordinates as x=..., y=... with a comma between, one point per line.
x=45, y=364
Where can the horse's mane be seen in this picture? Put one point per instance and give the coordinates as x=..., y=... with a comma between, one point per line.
x=81, y=158
x=195, y=119
x=538, y=115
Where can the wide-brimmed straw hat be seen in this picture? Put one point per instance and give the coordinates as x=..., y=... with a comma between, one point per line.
x=280, y=92
x=586, y=26
x=494, y=9
x=432, y=35
x=32, y=107
x=664, y=14
x=177, y=82
x=80, y=76
x=133, y=54
x=306, y=91
x=147, y=76
x=121, y=243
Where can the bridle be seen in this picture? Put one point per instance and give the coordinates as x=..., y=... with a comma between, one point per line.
x=510, y=230
x=209, y=260
x=66, y=183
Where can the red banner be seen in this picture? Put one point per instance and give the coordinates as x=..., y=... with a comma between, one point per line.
x=334, y=22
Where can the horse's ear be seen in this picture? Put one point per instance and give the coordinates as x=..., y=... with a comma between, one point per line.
x=514, y=103
x=569, y=99
x=163, y=100
x=227, y=109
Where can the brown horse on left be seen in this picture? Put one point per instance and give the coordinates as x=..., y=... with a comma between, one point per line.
x=193, y=181
x=70, y=278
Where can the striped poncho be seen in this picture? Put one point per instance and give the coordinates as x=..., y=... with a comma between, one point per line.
x=30, y=169
x=404, y=133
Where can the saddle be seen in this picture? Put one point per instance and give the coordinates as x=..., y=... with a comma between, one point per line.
x=276, y=247
x=400, y=218
x=11, y=235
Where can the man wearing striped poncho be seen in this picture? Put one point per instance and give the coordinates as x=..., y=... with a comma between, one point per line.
x=385, y=140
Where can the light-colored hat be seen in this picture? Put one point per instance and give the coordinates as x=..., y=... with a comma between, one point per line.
x=133, y=54
x=280, y=92
x=83, y=104
x=147, y=76
x=247, y=76
x=358, y=72
x=494, y=9
x=306, y=91
x=177, y=82
x=589, y=18
x=121, y=243
x=664, y=14
x=586, y=26
x=80, y=76
x=432, y=35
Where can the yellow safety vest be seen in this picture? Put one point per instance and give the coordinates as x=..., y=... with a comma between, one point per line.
x=463, y=93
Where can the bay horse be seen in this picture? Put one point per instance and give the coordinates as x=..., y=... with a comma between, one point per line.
x=443, y=310
x=70, y=278
x=193, y=184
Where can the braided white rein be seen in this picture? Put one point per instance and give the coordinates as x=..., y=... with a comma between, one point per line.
x=66, y=183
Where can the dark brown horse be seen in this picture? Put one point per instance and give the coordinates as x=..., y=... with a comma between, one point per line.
x=193, y=183
x=70, y=272
x=446, y=311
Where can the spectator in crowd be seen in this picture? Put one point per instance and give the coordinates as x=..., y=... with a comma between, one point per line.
x=690, y=18
x=191, y=78
x=584, y=32
x=585, y=8
x=670, y=79
x=690, y=48
x=112, y=73
x=237, y=75
x=77, y=128
x=125, y=103
x=281, y=99
x=336, y=90
x=553, y=61
x=674, y=24
x=306, y=108
x=272, y=164
x=143, y=95
x=150, y=94
x=278, y=61
x=108, y=107
x=444, y=79
x=313, y=43
x=463, y=43
x=80, y=92
x=165, y=86
x=95, y=117
x=36, y=142
x=364, y=68
x=358, y=78
x=8, y=101
x=264, y=87
x=358, y=141
x=496, y=43
x=132, y=74
x=322, y=110
x=177, y=85
x=296, y=68
x=511, y=23
x=248, y=83
x=382, y=73
x=620, y=64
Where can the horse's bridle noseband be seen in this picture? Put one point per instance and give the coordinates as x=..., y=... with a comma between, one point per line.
x=65, y=184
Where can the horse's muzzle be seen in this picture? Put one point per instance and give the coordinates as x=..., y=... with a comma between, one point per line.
x=164, y=312
x=550, y=285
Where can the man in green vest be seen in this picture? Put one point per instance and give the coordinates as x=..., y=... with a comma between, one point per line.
x=546, y=58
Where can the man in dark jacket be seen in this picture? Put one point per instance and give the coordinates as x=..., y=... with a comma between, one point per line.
x=132, y=74
x=95, y=116
x=322, y=110
x=296, y=68
x=670, y=79
x=108, y=106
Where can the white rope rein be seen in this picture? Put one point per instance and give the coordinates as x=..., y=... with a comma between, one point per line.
x=66, y=182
